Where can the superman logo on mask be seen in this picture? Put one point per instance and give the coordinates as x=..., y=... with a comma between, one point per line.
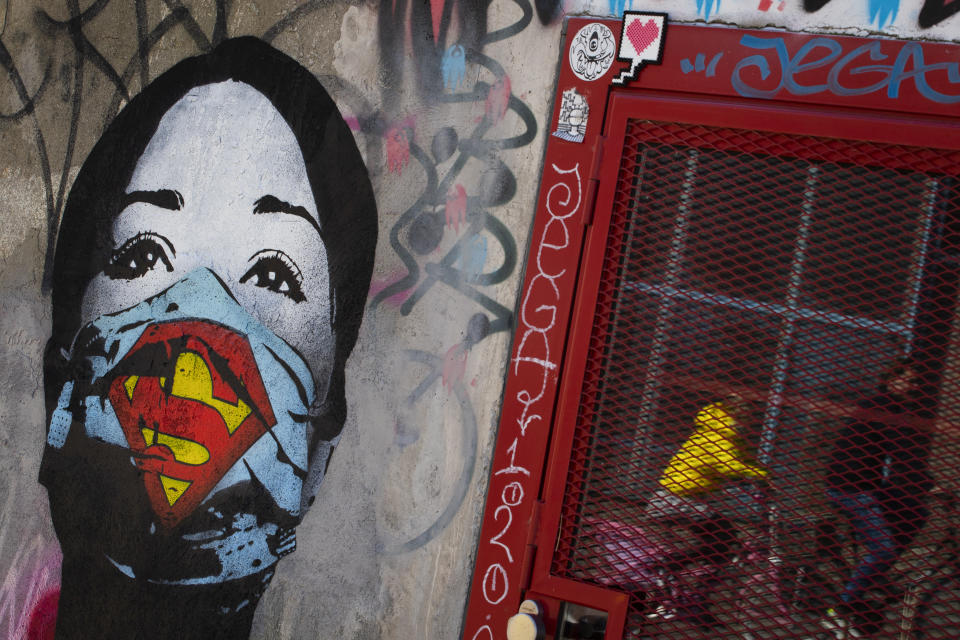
x=191, y=402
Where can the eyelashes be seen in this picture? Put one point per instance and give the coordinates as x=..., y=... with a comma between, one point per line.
x=139, y=255
x=274, y=271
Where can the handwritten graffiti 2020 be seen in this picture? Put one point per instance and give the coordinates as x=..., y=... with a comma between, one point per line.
x=534, y=360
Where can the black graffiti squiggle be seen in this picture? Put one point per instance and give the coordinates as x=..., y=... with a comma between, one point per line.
x=933, y=12
x=54, y=204
x=6, y=61
x=409, y=261
x=291, y=18
x=936, y=11
x=78, y=71
x=139, y=60
x=220, y=23
x=82, y=50
x=513, y=29
x=86, y=48
x=141, y=9
x=28, y=106
x=445, y=272
x=190, y=24
x=434, y=195
x=547, y=10
x=77, y=19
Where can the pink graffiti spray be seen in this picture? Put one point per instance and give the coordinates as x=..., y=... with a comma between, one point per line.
x=30, y=592
x=456, y=209
x=498, y=99
x=379, y=284
x=454, y=364
x=765, y=5
x=398, y=147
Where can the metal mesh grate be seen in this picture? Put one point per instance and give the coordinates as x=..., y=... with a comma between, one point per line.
x=770, y=389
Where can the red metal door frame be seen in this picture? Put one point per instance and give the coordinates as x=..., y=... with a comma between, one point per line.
x=725, y=113
x=812, y=93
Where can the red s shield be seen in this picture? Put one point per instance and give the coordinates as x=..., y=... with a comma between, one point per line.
x=191, y=401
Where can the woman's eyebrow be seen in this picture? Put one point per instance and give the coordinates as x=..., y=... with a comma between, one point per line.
x=163, y=198
x=273, y=204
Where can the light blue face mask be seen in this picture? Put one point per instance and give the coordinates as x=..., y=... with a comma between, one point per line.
x=214, y=410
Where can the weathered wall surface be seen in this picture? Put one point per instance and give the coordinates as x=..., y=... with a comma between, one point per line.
x=448, y=117
x=449, y=105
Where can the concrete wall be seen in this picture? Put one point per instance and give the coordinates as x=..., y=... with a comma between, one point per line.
x=452, y=139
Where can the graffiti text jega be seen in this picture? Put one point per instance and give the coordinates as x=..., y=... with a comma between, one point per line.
x=888, y=64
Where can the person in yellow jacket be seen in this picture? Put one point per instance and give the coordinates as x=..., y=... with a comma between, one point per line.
x=713, y=454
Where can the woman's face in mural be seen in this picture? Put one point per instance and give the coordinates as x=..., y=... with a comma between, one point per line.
x=222, y=185
x=207, y=343
x=196, y=400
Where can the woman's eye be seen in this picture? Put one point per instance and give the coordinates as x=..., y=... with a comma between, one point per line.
x=138, y=255
x=276, y=272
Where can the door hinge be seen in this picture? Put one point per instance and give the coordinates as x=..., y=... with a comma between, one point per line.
x=593, y=179
x=530, y=548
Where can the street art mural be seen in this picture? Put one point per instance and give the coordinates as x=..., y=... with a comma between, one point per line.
x=208, y=287
x=169, y=286
x=201, y=321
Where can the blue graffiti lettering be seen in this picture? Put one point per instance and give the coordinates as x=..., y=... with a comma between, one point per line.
x=883, y=12
x=700, y=63
x=617, y=7
x=871, y=48
x=908, y=65
x=704, y=7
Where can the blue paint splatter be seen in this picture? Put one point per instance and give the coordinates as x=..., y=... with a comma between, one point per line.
x=712, y=67
x=617, y=7
x=883, y=12
x=454, y=67
x=700, y=64
x=474, y=256
x=704, y=7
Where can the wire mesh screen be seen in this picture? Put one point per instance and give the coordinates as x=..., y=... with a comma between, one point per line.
x=764, y=446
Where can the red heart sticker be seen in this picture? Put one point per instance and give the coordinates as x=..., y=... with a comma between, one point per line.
x=642, y=35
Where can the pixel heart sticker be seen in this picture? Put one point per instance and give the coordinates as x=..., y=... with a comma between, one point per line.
x=641, y=42
x=642, y=35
